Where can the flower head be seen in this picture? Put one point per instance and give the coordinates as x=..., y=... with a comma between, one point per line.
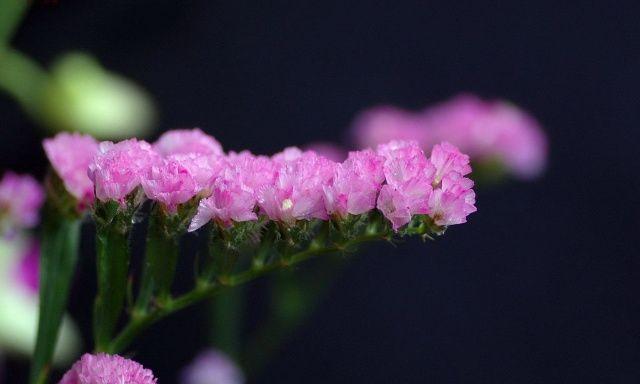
x=355, y=184
x=21, y=197
x=454, y=201
x=212, y=367
x=297, y=192
x=254, y=172
x=446, y=158
x=70, y=155
x=170, y=183
x=118, y=168
x=183, y=141
x=229, y=202
x=107, y=369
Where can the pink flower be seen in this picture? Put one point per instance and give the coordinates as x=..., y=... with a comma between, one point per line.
x=203, y=168
x=382, y=124
x=107, y=369
x=229, y=202
x=297, y=192
x=70, y=155
x=118, y=168
x=21, y=197
x=355, y=184
x=454, y=201
x=169, y=183
x=446, y=158
x=212, y=367
x=28, y=266
x=409, y=176
x=183, y=141
x=254, y=172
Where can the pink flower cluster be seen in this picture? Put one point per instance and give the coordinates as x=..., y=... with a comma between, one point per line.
x=212, y=367
x=289, y=186
x=486, y=130
x=21, y=197
x=107, y=369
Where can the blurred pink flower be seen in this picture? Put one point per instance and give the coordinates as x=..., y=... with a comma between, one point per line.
x=107, y=369
x=21, y=197
x=229, y=202
x=70, y=155
x=118, y=168
x=329, y=150
x=28, y=268
x=485, y=130
x=212, y=367
x=169, y=182
x=183, y=141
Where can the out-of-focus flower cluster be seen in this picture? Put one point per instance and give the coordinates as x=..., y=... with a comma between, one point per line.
x=487, y=131
x=293, y=185
x=21, y=198
x=212, y=367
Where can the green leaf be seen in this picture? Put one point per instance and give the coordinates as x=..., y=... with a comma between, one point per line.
x=57, y=264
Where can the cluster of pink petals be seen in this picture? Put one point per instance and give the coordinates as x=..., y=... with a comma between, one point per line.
x=70, y=155
x=21, y=197
x=212, y=367
x=107, y=369
x=289, y=186
x=27, y=269
x=486, y=130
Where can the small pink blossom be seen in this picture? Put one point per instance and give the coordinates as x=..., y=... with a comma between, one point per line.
x=169, y=183
x=184, y=141
x=382, y=124
x=107, y=369
x=297, y=192
x=254, y=172
x=212, y=367
x=204, y=168
x=355, y=184
x=118, y=168
x=70, y=155
x=229, y=202
x=446, y=158
x=454, y=201
x=21, y=197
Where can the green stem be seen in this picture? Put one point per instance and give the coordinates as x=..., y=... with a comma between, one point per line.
x=227, y=321
x=205, y=290
x=57, y=264
x=11, y=13
x=23, y=79
x=113, y=265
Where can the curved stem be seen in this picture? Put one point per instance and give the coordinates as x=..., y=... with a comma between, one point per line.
x=205, y=290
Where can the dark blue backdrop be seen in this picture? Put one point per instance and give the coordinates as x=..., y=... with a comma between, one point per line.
x=541, y=286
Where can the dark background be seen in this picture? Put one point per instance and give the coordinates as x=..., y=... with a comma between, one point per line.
x=542, y=285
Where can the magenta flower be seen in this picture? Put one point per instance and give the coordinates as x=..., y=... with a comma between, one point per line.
x=297, y=192
x=254, y=172
x=446, y=158
x=229, y=202
x=212, y=367
x=169, y=183
x=454, y=201
x=70, y=155
x=107, y=369
x=183, y=141
x=27, y=270
x=203, y=168
x=119, y=168
x=355, y=185
x=21, y=197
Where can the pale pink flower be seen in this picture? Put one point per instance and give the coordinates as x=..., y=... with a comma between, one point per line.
x=204, y=168
x=254, y=172
x=212, y=367
x=446, y=158
x=355, y=184
x=392, y=204
x=297, y=192
x=229, y=202
x=453, y=201
x=21, y=197
x=183, y=141
x=118, y=168
x=107, y=369
x=169, y=183
x=288, y=155
x=70, y=155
